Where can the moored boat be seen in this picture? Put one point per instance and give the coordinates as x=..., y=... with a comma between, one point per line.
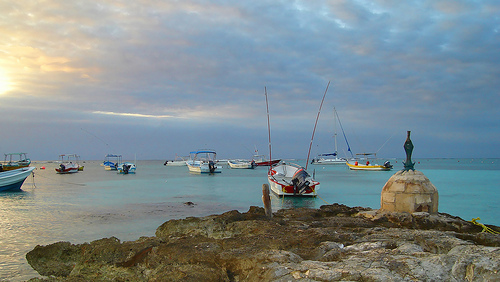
x=261, y=160
x=241, y=164
x=14, y=161
x=126, y=168
x=178, y=161
x=68, y=164
x=203, y=161
x=12, y=180
x=111, y=161
x=369, y=166
x=288, y=179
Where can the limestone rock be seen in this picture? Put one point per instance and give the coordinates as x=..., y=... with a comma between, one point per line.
x=332, y=243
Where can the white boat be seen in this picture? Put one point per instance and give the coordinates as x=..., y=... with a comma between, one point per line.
x=178, y=161
x=203, y=162
x=291, y=180
x=68, y=164
x=126, y=168
x=12, y=180
x=333, y=158
x=241, y=164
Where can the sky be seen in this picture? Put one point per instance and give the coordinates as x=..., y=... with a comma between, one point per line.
x=156, y=79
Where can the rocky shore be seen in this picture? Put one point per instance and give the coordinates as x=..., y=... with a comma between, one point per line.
x=332, y=243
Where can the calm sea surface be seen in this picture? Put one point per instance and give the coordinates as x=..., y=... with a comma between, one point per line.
x=95, y=203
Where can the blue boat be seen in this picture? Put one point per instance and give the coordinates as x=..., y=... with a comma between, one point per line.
x=12, y=180
x=111, y=161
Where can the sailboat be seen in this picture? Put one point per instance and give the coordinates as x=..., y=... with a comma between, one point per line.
x=333, y=158
x=289, y=179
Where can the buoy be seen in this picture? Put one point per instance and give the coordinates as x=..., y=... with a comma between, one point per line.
x=42, y=167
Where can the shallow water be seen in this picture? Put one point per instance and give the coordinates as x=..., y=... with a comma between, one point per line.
x=95, y=203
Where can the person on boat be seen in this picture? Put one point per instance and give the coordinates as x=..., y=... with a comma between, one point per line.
x=367, y=162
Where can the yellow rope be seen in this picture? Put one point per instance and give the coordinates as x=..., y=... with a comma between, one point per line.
x=485, y=228
x=322, y=199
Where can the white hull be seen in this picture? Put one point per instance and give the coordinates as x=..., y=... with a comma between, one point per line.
x=241, y=164
x=176, y=163
x=281, y=178
x=126, y=168
x=201, y=167
x=14, y=179
x=336, y=161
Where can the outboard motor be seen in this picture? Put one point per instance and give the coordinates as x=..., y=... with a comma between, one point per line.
x=387, y=164
x=126, y=168
x=211, y=166
x=300, y=184
x=62, y=167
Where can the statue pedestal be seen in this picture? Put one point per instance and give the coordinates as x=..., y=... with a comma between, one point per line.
x=409, y=191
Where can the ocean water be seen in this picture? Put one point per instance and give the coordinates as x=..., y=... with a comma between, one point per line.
x=95, y=203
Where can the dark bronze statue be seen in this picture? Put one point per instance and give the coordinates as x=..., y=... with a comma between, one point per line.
x=409, y=165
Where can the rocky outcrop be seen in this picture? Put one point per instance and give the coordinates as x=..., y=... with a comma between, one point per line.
x=332, y=243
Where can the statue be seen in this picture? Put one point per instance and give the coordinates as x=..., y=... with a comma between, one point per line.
x=409, y=165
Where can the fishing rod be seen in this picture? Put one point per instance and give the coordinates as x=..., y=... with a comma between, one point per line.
x=316, y=123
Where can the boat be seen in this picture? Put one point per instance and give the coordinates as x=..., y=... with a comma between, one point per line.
x=241, y=164
x=68, y=164
x=111, y=161
x=333, y=158
x=289, y=179
x=203, y=161
x=178, y=161
x=12, y=180
x=11, y=162
x=261, y=160
x=126, y=168
x=369, y=165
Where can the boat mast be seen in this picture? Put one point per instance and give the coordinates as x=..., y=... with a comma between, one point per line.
x=268, y=127
x=335, y=131
x=316, y=123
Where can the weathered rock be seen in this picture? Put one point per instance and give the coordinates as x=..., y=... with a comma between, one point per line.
x=332, y=243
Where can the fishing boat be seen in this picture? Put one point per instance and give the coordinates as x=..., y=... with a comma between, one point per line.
x=203, y=161
x=333, y=158
x=241, y=164
x=68, y=164
x=14, y=161
x=126, y=168
x=12, y=180
x=178, y=161
x=369, y=165
x=111, y=161
x=289, y=179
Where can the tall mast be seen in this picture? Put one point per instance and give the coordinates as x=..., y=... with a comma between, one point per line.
x=316, y=123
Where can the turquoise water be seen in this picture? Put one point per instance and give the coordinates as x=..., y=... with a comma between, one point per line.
x=95, y=203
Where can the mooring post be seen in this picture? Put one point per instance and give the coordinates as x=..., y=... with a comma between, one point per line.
x=266, y=199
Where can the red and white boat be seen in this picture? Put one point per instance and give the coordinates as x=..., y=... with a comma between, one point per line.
x=291, y=180
x=68, y=164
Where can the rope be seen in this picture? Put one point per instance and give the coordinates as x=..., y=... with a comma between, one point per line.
x=78, y=184
x=322, y=199
x=485, y=228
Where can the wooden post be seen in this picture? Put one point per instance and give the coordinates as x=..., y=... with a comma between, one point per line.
x=266, y=199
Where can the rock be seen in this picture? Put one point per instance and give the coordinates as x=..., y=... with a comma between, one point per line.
x=331, y=243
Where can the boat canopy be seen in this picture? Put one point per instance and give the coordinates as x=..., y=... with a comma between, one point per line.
x=203, y=152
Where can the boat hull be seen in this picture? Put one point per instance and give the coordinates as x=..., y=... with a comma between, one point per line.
x=202, y=168
x=329, y=162
x=68, y=168
x=13, y=180
x=267, y=163
x=126, y=168
x=368, y=167
x=241, y=164
x=281, y=177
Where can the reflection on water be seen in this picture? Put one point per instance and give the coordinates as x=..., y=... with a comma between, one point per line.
x=278, y=203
